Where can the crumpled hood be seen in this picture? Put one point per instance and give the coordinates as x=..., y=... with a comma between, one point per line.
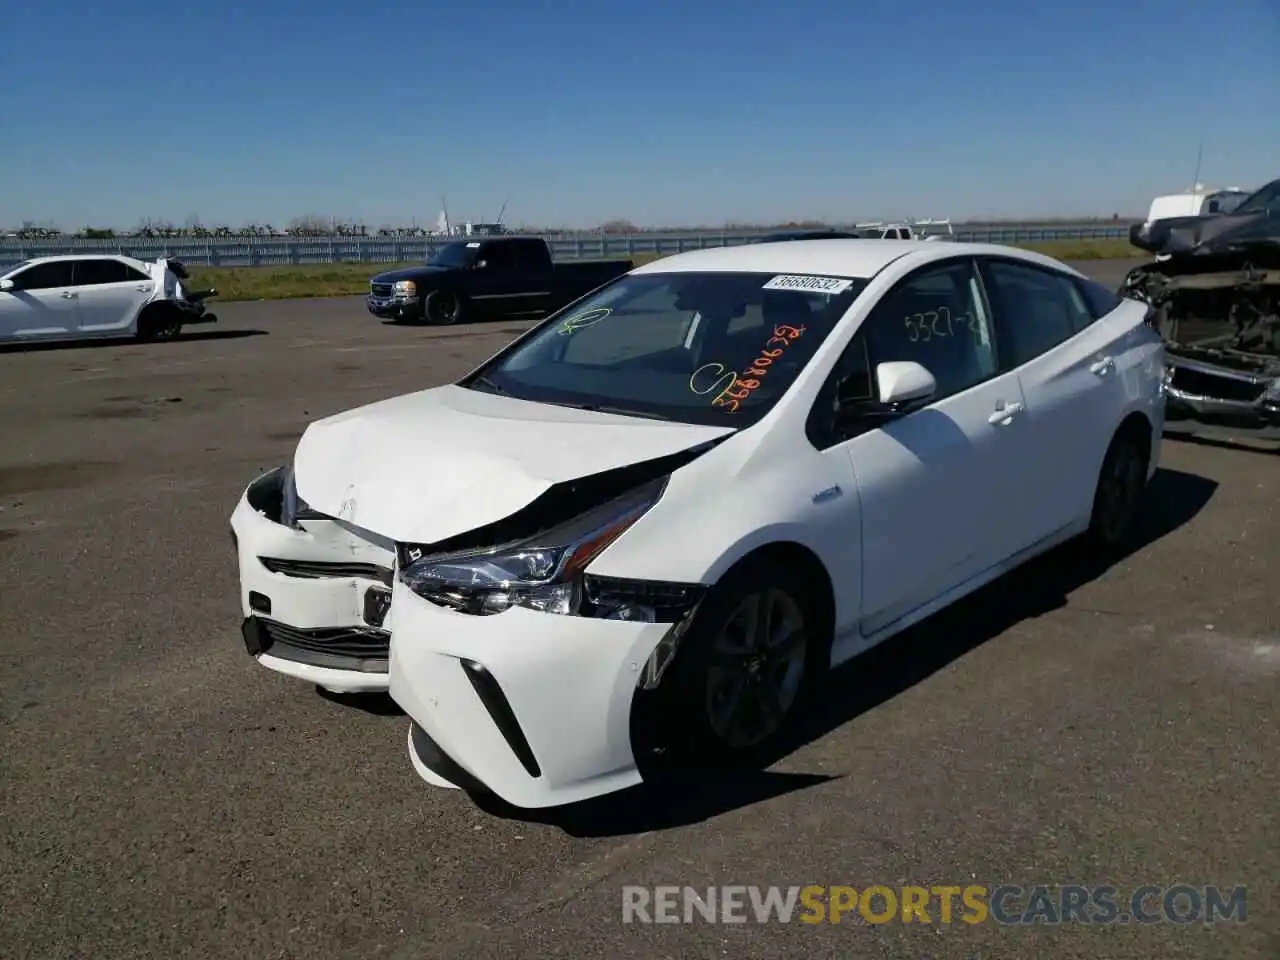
x=434, y=464
x=1215, y=233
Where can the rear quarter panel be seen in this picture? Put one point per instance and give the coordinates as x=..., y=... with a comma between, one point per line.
x=1140, y=361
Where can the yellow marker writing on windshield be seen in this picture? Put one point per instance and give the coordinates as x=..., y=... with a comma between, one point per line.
x=580, y=321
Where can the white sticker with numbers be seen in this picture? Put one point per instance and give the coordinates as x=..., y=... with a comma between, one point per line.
x=831, y=285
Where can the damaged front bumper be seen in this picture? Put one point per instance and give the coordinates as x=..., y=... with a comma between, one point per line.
x=1200, y=394
x=1219, y=316
x=533, y=707
x=314, y=594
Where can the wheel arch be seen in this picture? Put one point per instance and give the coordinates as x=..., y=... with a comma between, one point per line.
x=1136, y=425
x=648, y=726
x=157, y=307
x=793, y=555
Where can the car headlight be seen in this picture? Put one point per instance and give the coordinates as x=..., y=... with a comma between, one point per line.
x=405, y=288
x=544, y=573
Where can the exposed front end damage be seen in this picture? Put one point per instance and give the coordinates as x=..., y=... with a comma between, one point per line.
x=537, y=688
x=442, y=549
x=1214, y=290
x=1218, y=311
x=315, y=594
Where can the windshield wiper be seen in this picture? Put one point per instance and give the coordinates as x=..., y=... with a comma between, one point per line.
x=623, y=411
x=488, y=383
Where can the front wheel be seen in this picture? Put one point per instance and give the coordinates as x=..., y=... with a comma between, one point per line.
x=442, y=308
x=746, y=669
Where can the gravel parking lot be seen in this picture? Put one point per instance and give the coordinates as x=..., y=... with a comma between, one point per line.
x=161, y=795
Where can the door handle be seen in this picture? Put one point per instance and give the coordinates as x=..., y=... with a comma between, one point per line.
x=1103, y=367
x=69, y=295
x=1005, y=412
x=143, y=288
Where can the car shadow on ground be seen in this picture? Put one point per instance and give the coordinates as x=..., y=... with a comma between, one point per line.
x=40, y=347
x=1265, y=445
x=1039, y=587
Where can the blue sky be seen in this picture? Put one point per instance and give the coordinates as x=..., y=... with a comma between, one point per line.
x=658, y=112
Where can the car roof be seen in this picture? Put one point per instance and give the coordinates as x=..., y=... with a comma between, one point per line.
x=837, y=258
x=59, y=257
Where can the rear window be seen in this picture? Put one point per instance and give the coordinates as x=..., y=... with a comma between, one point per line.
x=1101, y=300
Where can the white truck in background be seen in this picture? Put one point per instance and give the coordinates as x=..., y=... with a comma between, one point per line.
x=931, y=229
x=1199, y=201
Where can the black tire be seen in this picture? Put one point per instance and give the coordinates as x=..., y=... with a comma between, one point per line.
x=1117, y=500
x=442, y=308
x=686, y=700
x=159, y=321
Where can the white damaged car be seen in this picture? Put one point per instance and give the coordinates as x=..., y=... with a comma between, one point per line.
x=92, y=296
x=676, y=503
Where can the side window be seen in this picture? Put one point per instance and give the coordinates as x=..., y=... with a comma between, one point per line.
x=937, y=318
x=133, y=274
x=499, y=257
x=522, y=258
x=92, y=273
x=44, y=276
x=1036, y=309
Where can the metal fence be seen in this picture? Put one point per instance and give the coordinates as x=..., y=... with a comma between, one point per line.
x=290, y=251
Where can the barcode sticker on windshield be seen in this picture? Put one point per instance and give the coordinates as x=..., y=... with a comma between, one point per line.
x=809, y=284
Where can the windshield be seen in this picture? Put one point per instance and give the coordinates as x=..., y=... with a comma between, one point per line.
x=7, y=268
x=455, y=255
x=1268, y=196
x=709, y=348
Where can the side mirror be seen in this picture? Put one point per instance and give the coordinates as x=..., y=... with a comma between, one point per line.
x=6, y=284
x=901, y=387
x=904, y=385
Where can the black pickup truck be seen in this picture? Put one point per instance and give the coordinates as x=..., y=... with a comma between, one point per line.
x=487, y=279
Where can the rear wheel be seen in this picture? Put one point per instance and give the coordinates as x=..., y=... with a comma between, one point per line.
x=745, y=671
x=159, y=321
x=1121, y=483
x=442, y=308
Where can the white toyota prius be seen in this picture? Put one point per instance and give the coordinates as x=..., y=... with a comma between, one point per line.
x=679, y=501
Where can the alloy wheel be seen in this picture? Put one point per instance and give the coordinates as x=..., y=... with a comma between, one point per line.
x=756, y=669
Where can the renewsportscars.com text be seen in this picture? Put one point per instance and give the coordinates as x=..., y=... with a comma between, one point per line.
x=970, y=904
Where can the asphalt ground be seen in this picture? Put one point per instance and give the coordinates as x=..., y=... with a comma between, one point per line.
x=163, y=796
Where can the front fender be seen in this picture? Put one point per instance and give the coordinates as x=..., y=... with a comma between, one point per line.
x=715, y=511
